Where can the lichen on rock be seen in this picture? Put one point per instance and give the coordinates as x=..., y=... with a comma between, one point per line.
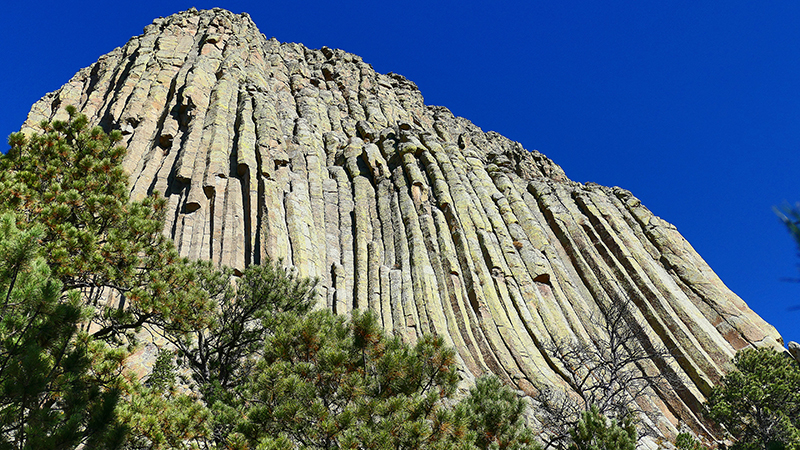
x=267, y=149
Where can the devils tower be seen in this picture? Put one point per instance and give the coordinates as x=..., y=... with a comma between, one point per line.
x=272, y=150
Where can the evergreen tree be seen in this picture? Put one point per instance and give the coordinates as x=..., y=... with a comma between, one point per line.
x=159, y=416
x=247, y=311
x=759, y=402
x=69, y=179
x=325, y=382
x=100, y=270
x=685, y=441
x=594, y=432
x=221, y=356
x=496, y=415
x=58, y=387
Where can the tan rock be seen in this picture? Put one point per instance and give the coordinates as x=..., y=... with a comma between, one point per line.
x=271, y=150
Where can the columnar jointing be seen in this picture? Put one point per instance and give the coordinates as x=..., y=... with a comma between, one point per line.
x=271, y=150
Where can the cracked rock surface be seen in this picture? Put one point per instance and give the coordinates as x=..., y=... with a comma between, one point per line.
x=272, y=150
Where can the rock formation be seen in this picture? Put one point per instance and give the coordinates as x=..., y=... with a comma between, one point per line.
x=266, y=149
x=794, y=350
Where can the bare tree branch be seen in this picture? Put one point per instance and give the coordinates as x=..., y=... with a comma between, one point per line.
x=609, y=372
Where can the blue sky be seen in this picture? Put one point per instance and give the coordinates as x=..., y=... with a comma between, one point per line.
x=693, y=106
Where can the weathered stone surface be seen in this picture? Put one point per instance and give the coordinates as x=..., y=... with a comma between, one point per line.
x=794, y=350
x=265, y=149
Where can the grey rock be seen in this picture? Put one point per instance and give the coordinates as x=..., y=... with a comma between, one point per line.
x=272, y=150
x=794, y=350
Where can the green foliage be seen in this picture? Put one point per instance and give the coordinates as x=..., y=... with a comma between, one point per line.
x=163, y=375
x=58, y=387
x=159, y=421
x=159, y=416
x=78, y=255
x=222, y=354
x=69, y=181
x=221, y=357
x=759, y=402
x=325, y=382
x=686, y=441
x=496, y=415
x=594, y=432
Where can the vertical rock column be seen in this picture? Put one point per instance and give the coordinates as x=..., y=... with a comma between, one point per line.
x=265, y=150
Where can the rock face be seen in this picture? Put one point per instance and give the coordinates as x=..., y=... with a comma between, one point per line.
x=794, y=350
x=272, y=150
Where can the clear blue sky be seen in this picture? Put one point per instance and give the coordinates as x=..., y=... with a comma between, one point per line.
x=694, y=106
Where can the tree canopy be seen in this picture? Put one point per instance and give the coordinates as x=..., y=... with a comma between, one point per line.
x=594, y=432
x=69, y=181
x=758, y=404
x=58, y=387
x=83, y=268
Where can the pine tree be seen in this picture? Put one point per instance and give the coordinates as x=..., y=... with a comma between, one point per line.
x=496, y=414
x=759, y=402
x=326, y=382
x=247, y=312
x=685, y=441
x=594, y=432
x=69, y=179
x=159, y=416
x=58, y=387
x=221, y=356
x=96, y=269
